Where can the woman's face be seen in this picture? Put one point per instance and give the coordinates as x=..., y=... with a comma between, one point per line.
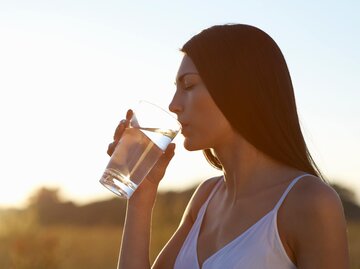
x=203, y=124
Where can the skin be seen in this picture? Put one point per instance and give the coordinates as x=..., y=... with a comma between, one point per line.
x=311, y=221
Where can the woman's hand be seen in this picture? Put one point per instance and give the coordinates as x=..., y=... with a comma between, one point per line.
x=119, y=132
x=148, y=187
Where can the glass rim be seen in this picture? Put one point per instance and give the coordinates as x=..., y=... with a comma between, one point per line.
x=162, y=109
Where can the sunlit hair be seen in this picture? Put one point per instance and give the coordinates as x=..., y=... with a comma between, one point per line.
x=247, y=76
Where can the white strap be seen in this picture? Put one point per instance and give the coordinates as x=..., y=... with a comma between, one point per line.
x=287, y=191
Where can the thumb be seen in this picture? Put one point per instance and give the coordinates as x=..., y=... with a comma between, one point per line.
x=170, y=151
x=168, y=155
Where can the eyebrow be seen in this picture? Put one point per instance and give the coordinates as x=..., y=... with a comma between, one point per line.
x=180, y=78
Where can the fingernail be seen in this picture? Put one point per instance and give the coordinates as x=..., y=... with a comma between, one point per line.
x=129, y=114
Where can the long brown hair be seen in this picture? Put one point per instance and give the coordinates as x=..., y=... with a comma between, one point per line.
x=248, y=78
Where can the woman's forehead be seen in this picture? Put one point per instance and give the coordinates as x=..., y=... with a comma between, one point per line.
x=186, y=66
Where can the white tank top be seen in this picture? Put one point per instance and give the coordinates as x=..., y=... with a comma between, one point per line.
x=259, y=247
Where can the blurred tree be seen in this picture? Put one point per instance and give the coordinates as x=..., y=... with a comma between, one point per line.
x=348, y=198
x=344, y=193
x=45, y=196
x=45, y=203
x=51, y=210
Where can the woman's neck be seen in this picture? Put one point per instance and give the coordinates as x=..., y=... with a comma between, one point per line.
x=247, y=170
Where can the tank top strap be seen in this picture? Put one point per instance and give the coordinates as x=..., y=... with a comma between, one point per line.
x=293, y=182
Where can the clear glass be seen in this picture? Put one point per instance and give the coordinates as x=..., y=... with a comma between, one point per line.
x=141, y=145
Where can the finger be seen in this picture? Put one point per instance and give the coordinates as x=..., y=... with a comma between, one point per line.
x=168, y=155
x=170, y=149
x=122, y=125
x=131, y=117
x=119, y=130
x=111, y=148
x=129, y=114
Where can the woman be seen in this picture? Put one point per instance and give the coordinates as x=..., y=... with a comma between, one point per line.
x=271, y=208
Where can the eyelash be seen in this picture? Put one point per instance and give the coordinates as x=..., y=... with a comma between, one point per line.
x=188, y=87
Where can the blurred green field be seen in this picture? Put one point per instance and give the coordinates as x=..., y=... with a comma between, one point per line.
x=74, y=247
x=354, y=244
x=53, y=234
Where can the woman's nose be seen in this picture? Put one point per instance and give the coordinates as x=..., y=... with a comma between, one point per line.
x=175, y=105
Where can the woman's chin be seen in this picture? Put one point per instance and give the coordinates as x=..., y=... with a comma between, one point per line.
x=190, y=146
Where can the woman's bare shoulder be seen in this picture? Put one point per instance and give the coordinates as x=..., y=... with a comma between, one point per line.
x=311, y=194
x=311, y=215
x=200, y=195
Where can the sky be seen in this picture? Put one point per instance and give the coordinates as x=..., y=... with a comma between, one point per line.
x=69, y=70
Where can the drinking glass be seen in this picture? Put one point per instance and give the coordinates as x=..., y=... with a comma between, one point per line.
x=150, y=131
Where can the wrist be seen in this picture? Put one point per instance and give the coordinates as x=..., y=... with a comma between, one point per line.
x=143, y=198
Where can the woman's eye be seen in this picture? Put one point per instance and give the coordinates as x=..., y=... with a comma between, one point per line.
x=189, y=83
x=188, y=86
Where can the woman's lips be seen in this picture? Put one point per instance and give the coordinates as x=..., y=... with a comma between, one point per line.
x=182, y=124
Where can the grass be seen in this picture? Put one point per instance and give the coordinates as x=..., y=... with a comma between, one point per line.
x=354, y=244
x=74, y=247
x=61, y=247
